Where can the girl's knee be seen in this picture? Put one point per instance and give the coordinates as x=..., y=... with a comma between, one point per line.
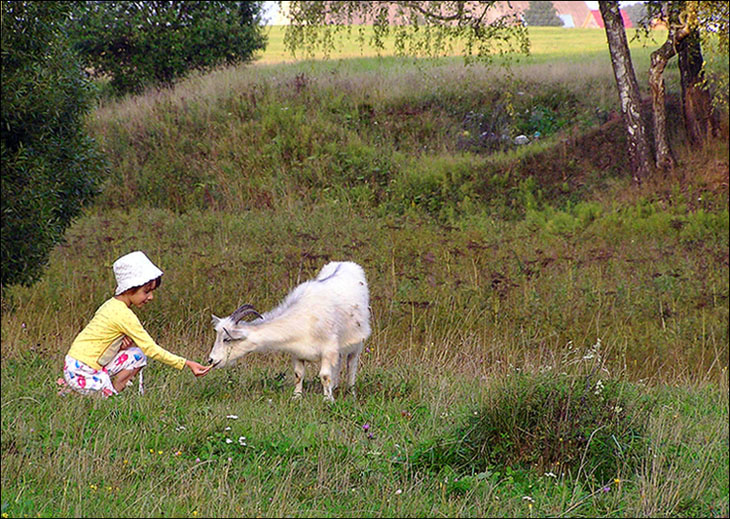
x=138, y=355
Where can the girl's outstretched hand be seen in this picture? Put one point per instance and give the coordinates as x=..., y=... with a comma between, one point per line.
x=198, y=369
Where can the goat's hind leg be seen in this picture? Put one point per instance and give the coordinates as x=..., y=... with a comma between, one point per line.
x=353, y=361
x=328, y=373
x=298, y=377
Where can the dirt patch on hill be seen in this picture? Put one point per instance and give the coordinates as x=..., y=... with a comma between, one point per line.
x=584, y=161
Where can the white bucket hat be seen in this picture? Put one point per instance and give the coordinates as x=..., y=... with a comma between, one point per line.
x=134, y=270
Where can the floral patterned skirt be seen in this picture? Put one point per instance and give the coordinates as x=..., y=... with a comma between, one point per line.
x=86, y=380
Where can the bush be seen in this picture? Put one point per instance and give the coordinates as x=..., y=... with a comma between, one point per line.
x=138, y=44
x=50, y=167
x=578, y=422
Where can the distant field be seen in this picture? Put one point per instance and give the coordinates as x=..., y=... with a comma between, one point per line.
x=546, y=43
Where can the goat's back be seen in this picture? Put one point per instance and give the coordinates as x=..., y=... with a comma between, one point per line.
x=336, y=302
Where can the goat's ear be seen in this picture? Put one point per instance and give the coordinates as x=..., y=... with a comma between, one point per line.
x=215, y=319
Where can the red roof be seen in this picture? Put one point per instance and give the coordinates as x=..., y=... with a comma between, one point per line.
x=599, y=19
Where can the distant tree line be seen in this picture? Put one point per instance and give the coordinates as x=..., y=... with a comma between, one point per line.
x=542, y=14
x=51, y=51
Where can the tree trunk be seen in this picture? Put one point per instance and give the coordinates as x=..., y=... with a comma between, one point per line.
x=628, y=90
x=659, y=59
x=696, y=100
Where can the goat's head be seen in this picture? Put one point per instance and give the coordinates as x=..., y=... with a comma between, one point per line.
x=231, y=337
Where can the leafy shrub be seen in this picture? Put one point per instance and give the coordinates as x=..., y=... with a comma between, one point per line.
x=139, y=44
x=578, y=422
x=50, y=167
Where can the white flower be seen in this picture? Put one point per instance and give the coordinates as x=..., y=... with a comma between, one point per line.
x=528, y=498
x=227, y=428
x=228, y=440
x=398, y=492
x=551, y=475
x=232, y=416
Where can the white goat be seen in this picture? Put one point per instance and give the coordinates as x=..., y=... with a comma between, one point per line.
x=325, y=319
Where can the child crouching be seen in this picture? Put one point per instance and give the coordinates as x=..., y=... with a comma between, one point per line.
x=114, y=346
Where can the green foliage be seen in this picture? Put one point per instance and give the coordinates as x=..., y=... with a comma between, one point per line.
x=636, y=12
x=542, y=14
x=579, y=422
x=50, y=166
x=417, y=28
x=140, y=44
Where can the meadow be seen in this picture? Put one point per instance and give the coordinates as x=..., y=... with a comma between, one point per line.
x=549, y=340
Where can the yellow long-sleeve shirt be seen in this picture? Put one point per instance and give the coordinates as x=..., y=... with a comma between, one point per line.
x=112, y=320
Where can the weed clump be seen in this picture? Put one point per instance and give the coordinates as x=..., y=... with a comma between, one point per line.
x=578, y=422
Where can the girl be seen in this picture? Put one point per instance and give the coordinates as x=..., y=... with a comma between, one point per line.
x=114, y=343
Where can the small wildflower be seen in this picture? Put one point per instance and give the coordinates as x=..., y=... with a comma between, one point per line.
x=617, y=481
x=229, y=459
x=242, y=441
x=551, y=475
x=227, y=428
x=197, y=460
x=398, y=492
x=180, y=428
x=126, y=461
x=159, y=452
x=228, y=440
x=528, y=498
x=5, y=514
x=370, y=436
x=195, y=513
x=366, y=427
x=93, y=487
x=606, y=489
x=178, y=453
x=152, y=451
x=232, y=416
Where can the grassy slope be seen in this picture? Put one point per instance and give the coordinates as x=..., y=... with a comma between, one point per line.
x=482, y=267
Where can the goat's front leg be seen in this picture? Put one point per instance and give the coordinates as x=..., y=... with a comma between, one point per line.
x=328, y=373
x=298, y=377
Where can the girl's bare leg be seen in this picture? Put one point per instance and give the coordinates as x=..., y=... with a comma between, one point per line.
x=124, y=376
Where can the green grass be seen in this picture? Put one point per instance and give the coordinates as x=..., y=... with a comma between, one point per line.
x=548, y=340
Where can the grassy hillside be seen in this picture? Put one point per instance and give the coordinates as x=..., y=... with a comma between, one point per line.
x=548, y=340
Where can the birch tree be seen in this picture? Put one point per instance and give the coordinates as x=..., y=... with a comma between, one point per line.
x=628, y=90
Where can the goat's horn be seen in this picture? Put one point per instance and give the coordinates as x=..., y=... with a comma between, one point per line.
x=243, y=311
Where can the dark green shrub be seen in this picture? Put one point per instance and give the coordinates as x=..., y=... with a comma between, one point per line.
x=583, y=424
x=50, y=167
x=138, y=44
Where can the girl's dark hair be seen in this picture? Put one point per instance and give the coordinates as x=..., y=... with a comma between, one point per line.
x=157, y=282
